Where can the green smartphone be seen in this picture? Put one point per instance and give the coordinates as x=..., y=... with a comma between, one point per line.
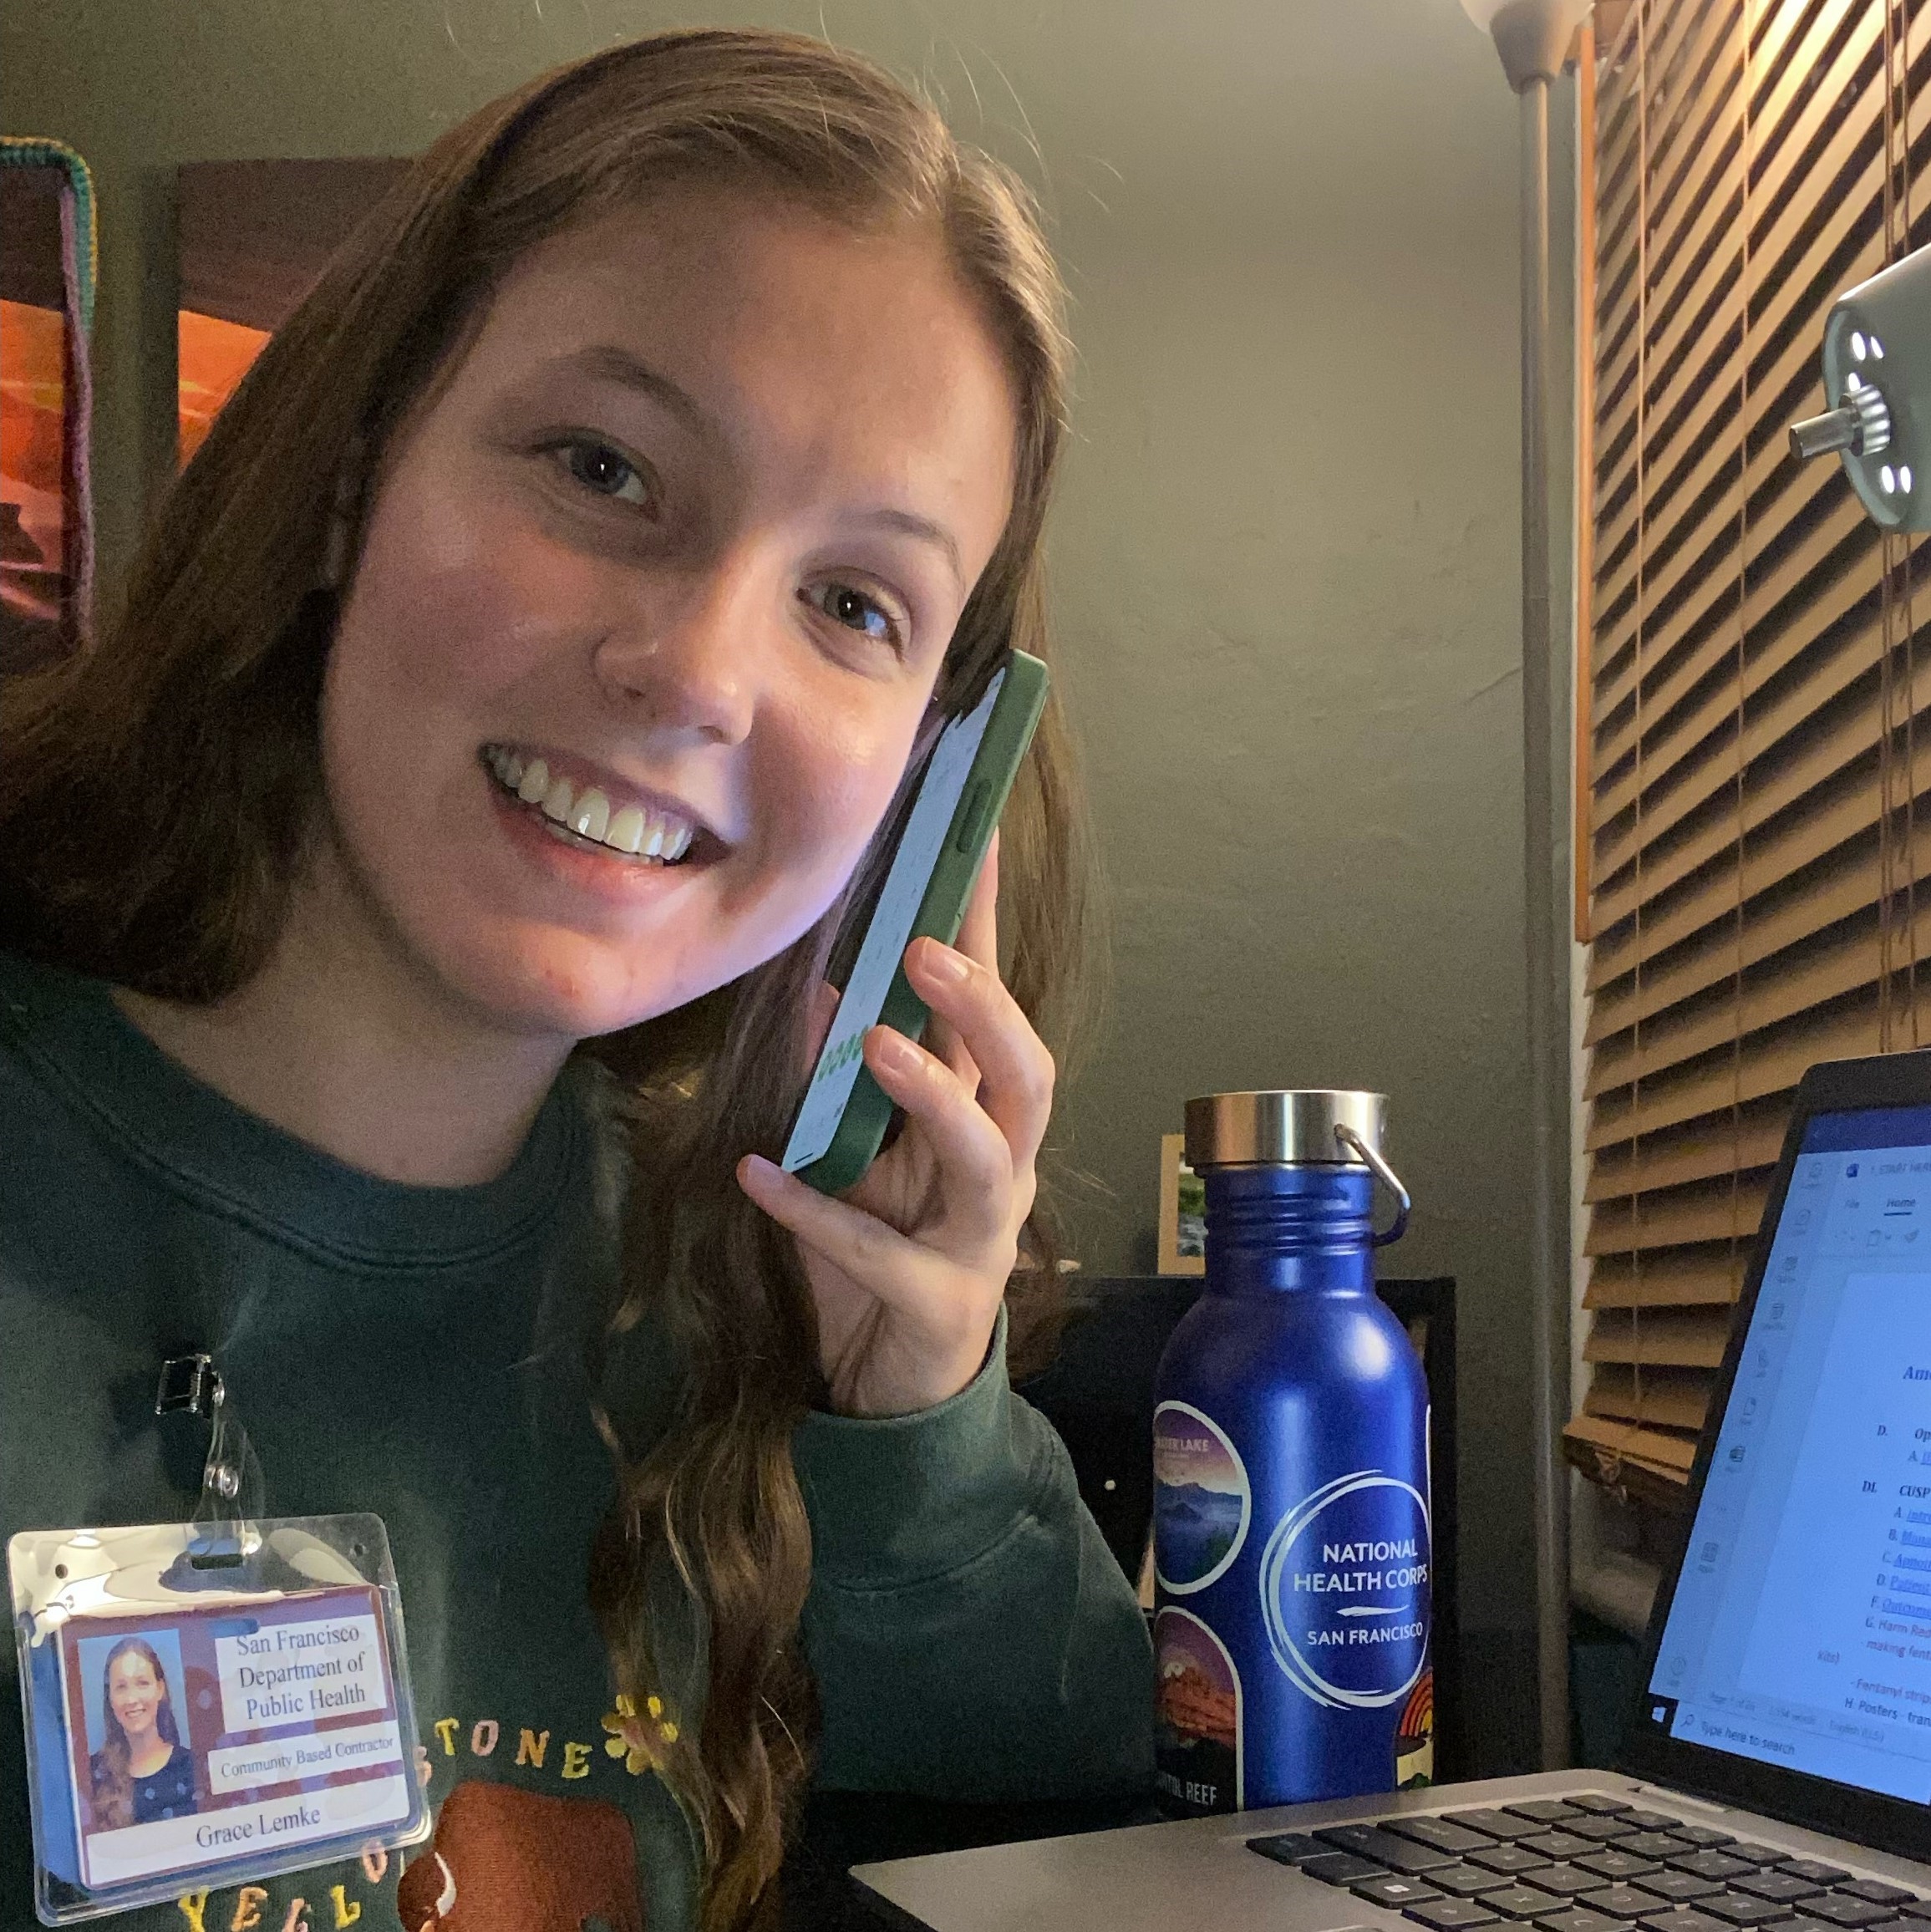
x=842, y=1119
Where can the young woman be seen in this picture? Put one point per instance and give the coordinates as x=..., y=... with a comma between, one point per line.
x=414, y=918
x=142, y=1771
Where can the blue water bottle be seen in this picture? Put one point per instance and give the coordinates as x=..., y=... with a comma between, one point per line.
x=1291, y=1500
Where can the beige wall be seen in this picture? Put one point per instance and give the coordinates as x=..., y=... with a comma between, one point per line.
x=1284, y=559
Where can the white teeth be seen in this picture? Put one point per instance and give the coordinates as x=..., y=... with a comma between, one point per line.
x=625, y=832
x=590, y=818
x=629, y=829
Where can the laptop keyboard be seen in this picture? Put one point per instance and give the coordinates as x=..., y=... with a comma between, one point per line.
x=1587, y=1863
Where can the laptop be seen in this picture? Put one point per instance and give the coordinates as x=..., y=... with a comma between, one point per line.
x=1775, y=1770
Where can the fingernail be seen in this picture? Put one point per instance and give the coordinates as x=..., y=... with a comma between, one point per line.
x=893, y=1051
x=943, y=963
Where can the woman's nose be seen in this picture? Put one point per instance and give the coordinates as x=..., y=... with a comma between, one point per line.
x=690, y=658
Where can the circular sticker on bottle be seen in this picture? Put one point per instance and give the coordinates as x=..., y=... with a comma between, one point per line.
x=1197, y=1715
x=1202, y=1499
x=1344, y=1594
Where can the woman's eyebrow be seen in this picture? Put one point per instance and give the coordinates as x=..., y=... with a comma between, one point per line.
x=613, y=364
x=911, y=524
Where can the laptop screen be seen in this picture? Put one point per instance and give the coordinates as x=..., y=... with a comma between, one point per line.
x=1800, y=1632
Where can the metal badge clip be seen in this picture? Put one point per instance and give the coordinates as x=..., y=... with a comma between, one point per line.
x=189, y=1382
x=193, y=1385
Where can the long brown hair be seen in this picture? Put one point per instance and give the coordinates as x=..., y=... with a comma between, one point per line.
x=158, y=794
x=113, y=1764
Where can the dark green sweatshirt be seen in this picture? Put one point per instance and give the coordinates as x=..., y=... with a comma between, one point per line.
x=420, y=1352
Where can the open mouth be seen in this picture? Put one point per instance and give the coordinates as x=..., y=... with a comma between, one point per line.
x=589, y=817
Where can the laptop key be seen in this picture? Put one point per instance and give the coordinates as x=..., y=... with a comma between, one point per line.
x=1875, y=1892
x=1603, y=1830
x=1578, y=1919
x=1405, y=1855
x=1544, y=1811
x=1786, y=1886
x=1287, y=1848
x=1612, y=1861
x=1507, y=1859
x=1854, y=1913
x=1620, y=1902
x=1465, y=1881
x=1650, y=1820
x=1600, y=1805
x=1519, y=1902
x=1680, y=1888
x=1393, y=1892
x=1598, y=1830
x=1555, y=1844
x=1397, y=1895
x=1571, y=1881
x=1349, y=1837
x=1738, y=1909
x=1440, y=1833
x=1451, y=1914
x=1497, y=1824
x=1389, y=1853
x=1684, y=1918
x=1653, y=1844
x=1704, y=1835
x=1341, y=1869
x=1815, y=1868
x=1712, y=1864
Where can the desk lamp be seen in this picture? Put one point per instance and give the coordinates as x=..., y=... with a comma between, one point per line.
x=1878, y=380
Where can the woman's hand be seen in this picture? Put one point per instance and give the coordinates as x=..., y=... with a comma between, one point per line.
x=909, y=1267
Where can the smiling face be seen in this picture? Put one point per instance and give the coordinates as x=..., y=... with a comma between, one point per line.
x=134, y=1694
x=652, y=596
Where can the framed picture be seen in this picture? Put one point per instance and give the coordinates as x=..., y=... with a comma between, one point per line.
x=1182, y=1211
x=253, y=237
x=47, y=274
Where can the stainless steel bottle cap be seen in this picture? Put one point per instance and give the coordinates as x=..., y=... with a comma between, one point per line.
x=1278, y=1129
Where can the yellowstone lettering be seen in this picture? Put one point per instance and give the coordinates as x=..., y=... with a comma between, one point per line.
x=375, y=1871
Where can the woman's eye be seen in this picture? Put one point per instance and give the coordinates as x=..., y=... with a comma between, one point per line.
x=856, y=611
x=597, y=466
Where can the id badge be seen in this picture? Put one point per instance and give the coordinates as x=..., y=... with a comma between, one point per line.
x=214, y=1701
x=202, y=1710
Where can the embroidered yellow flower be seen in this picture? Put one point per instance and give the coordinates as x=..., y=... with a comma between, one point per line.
x=635, y=1737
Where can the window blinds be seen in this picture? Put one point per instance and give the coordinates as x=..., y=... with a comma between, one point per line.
x=1753, y=775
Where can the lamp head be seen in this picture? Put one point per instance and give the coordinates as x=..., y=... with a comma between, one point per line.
x=1531, y=36
x=1877, y=383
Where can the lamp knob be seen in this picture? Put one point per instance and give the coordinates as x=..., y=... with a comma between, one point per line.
x=1823, y=435
x=1861, y=424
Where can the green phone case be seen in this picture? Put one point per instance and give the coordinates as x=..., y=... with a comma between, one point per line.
x=1010, y=730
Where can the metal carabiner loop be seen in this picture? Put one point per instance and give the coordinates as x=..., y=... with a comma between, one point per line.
x=1388, y=1178
x=231, y=1476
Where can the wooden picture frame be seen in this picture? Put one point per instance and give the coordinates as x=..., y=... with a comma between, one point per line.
x=1177, y=1255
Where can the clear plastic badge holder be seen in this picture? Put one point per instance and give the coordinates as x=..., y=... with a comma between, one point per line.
x=211, y=1702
